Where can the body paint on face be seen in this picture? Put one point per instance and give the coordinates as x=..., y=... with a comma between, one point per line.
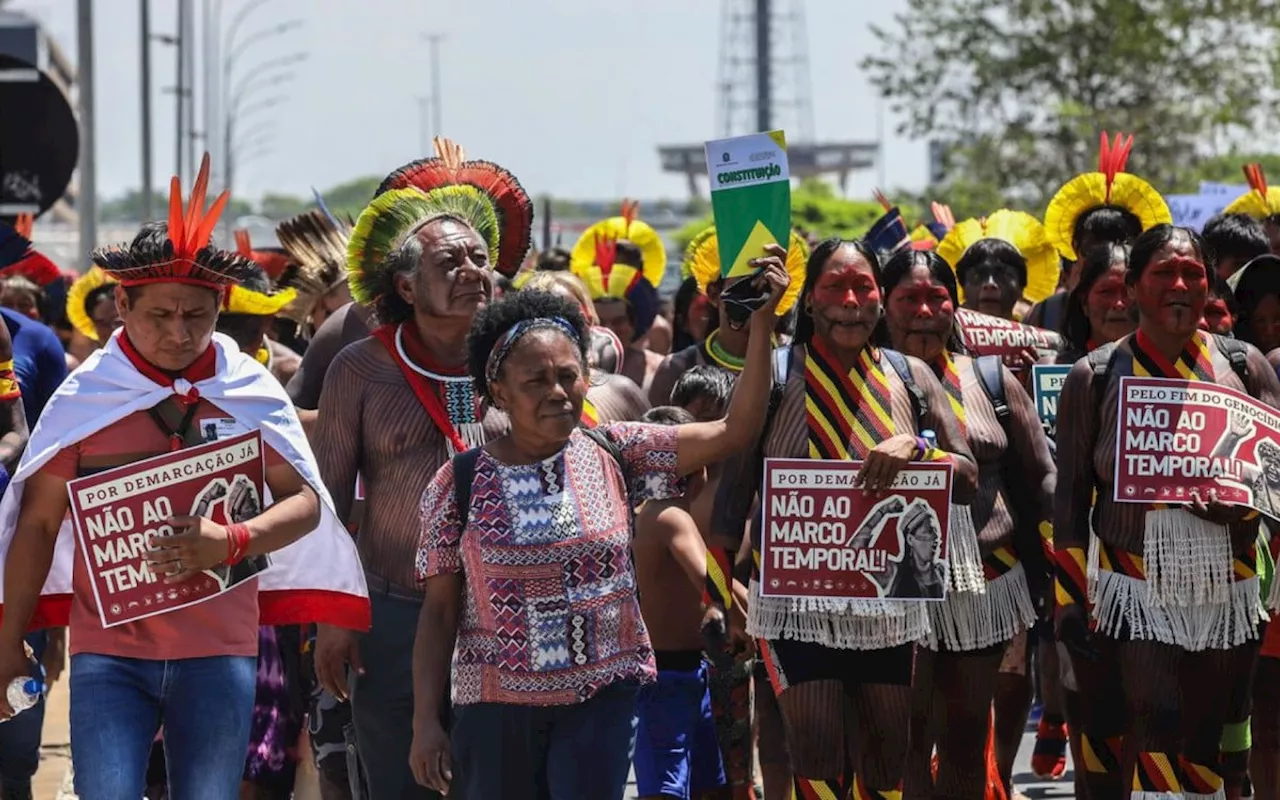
x=1109, y=307
x=845, y=300
x=920, y=314
x=1172, y=290
x=1217, y=317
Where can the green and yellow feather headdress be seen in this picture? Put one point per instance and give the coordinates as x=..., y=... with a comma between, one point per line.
x=479, y=193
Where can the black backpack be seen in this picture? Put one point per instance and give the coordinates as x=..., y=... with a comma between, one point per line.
x=464, y=472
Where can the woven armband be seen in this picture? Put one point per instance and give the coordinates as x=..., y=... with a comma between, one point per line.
x=9, y=389
x=719, y=588
x=1070, y=587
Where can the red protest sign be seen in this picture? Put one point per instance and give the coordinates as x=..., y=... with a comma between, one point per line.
x=985, y=335
x=824, y=538
x=117, y=513
x=1175, y=436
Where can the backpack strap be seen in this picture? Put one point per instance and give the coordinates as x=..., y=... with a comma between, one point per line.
x=990, y=373
x=918, y=401
x=464, y=472
x=1237, y=352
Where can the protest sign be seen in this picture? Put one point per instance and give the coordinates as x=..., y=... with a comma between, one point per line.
x=120, y=512
x=985, y=335
x=823, y=537
x=750, y=197
x=1046, y=381
x=1176, y=436
x=1194, y=210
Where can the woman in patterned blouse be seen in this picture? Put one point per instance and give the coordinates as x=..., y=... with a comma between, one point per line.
x=530, y=586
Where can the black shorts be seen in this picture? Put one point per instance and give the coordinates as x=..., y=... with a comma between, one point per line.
x=791, y=662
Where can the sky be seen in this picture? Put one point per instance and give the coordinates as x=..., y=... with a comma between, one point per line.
x=573, y=96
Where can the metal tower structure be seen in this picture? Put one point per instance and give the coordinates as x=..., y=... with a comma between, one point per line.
x=764, y=69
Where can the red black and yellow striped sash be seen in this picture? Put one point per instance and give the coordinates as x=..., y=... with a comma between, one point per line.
x=1113, y=559
x=999, y=561
x=590, y=416
x=848, y=413
x=1102, y=756
x=949, y=376
x=1162, y=773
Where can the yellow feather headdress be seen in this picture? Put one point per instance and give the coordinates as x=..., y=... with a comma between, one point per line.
x=240, y=300
x=1109, y=186
x=1261, y=201
x=79, y=293
x=702, y=262
x=615, y=279
x=1019, y=229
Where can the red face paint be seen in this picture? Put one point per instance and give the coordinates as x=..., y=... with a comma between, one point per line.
x=845, y=301
x=1173, y=288
x=845, y=286
x=1217, y=317
x=919, y=315
x=1108, y=307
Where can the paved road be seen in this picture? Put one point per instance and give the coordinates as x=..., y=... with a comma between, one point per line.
x=1023, y=779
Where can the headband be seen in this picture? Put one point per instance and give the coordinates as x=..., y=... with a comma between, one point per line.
x=507, y=341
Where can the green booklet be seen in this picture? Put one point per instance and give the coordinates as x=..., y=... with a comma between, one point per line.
x=750, y=197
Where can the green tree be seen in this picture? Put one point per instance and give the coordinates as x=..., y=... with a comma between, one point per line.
x=1018, y=90
x=350, y=198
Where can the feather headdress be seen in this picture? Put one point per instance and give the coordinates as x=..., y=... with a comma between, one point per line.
x=1019, y=229
x=18, y=257
x=78, y=311
x=1261, y=201
x=185, y=256
x=480, y=193
x=1109, y=186
x=317, y=244
x=702, y=263
x=889, y=233
x=273, y=260
x=597, y=260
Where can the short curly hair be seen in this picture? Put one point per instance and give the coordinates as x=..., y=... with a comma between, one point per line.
x=498, y=317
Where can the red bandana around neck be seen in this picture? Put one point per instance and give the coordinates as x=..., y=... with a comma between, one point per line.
x=203, y=368
x=428, y=394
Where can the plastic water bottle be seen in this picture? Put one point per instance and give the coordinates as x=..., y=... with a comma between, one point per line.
x=23, y=693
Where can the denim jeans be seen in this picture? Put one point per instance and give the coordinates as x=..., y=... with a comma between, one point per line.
x=118, y=704
x=382, y=699
x=20, y=736
x=545, y=752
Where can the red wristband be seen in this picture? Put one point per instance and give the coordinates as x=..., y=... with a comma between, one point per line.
x=237, y=543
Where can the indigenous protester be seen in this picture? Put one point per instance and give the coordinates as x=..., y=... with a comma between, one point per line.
x=1262, y=202
x=828, y=657
x=1235, y=240
x=563, y=704
x=1257, y=292
x=677, y=753
x=622, y=261
x=994, y=543
x=725, y=343
x=1220, y=308
x=1095, y=208
x=1000, y=261
x=610, y=398
x=247, y=315
x=693, y=316
x=317, y=246
x=1186, y=646
x=91, y=306
x=1099, y=309
x=20, y=738
x=151, y=390
x=19, y=293
x=398, y=404
x=1109, y=206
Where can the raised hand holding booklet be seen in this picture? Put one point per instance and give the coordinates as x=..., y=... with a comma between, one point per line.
x=750, y=197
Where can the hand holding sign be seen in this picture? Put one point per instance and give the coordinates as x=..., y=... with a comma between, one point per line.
x=198, y=544
x=1211, y=509
x=885, y=461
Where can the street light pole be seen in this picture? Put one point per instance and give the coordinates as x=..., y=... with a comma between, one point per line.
x=178, y=95
x=434, y=40
x=87, y=199
x=145, y=50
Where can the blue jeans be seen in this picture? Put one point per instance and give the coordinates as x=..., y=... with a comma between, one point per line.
x=118, y=704
x=20, y=736
x=382, y=698
x=545, y=752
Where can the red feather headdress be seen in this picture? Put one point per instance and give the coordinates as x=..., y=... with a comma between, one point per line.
x=274, y=261
x=18, y=257
x=509, y=199
x=186, y=256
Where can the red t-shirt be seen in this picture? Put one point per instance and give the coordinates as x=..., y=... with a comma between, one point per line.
x=226, y=625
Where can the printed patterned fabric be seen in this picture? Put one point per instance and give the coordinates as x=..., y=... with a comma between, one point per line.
x=550, y=614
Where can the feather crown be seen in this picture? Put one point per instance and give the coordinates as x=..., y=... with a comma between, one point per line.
x=448, y=172
x=78, y=311
x=274, y=260
x=1019, y=229
x=317, y=243
x=184, y=255
x=1261, y=201
x=615, y=278
x=18, y=257
x=1109, y=186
